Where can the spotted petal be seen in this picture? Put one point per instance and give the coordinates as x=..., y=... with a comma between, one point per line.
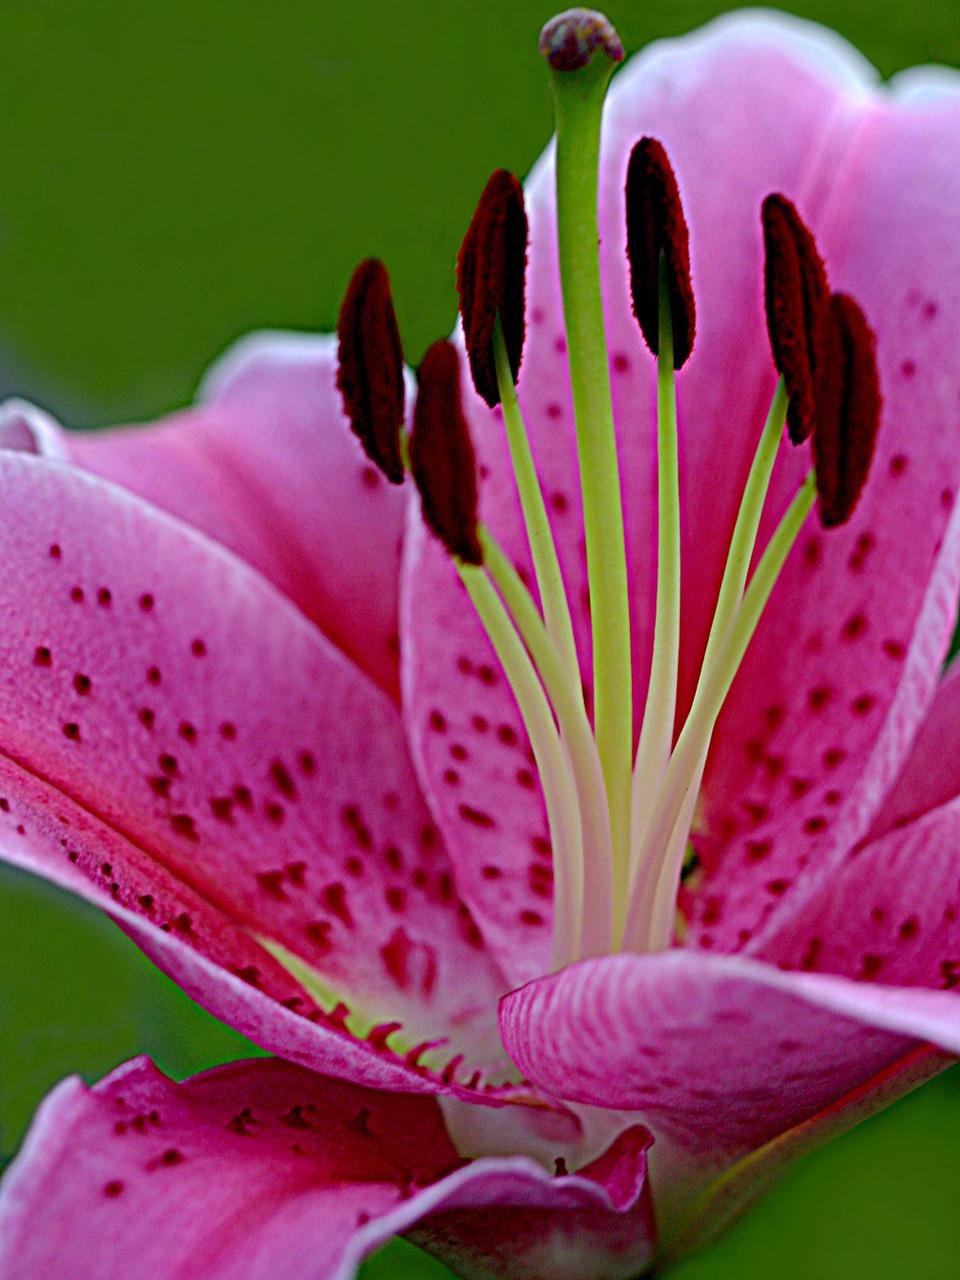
x=265, y=464
x=262, y=1169
x=182, y=746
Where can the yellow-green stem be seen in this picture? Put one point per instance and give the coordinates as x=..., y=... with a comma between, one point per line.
x=578, y=97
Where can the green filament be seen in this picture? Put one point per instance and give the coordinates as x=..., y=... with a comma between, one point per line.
x=546, y=565
x=553, y=764
x=656, y=735
x=577, y=737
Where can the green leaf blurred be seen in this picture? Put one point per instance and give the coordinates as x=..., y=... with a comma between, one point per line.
x=177, y=173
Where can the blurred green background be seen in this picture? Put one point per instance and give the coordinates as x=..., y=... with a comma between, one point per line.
x=177, y=172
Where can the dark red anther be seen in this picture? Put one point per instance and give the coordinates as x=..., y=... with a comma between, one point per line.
x=848, y=410
x=441, y=455
x=798, y=306
x=370, y=373
x=655, y=226
x=569, y=41
x=491, y=277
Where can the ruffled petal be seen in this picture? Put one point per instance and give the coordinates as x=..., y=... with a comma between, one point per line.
x=931, y=774
x=266, y=465
x=261, y=1169
x=720, y=1055
x=183, y=746
x=890, y=914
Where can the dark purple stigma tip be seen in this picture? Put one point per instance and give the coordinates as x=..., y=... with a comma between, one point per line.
x=370, y=373
x=798, y=307
x=656, y=225
x=442, y=460
x=848, y=410
x=569, y=41
x=491, y=280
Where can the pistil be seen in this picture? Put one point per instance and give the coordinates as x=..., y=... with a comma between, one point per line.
x=582, y=50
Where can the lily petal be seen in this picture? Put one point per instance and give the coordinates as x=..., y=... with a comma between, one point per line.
x=848, y=658
x=720, y=1054
x=266, y=464
x=261, y=1169
x=166, y=706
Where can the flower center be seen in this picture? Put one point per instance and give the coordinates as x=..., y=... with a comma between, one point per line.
x=619, y=820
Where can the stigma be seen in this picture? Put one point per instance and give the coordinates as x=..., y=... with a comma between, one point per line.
x=620, y=797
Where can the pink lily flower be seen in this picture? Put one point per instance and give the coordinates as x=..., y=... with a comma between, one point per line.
x=248, y=709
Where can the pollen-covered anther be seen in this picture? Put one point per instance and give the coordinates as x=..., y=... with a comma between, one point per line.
x=798, y=308
x=491, y=271
x=569, y=41
x=848, y=413
x=442, y=460
x=370, y=373
x=656, y=226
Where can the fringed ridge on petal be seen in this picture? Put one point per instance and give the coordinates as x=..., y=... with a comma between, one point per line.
x=370, y=376
x=441, y=455
x=656, y=225
x=491, y=280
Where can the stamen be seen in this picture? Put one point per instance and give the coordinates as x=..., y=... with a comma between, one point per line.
x=650, y=919
x=491, y=271
x=370, y=373
x=657, y=230
x=647, y=859
x=582, y=48
x=798, y=307
x=849, y=413
x=553, y=764
x=577, y=737
x=442, y=460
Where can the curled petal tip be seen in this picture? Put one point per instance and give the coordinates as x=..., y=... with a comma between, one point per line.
x=570, y=40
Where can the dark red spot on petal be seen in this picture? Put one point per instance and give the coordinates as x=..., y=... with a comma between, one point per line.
x=42, y=656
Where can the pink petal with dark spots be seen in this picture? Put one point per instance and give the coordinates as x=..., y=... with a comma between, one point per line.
x=266, y=464
x=225, y=748
x=261, y=1169
x=847, y=658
